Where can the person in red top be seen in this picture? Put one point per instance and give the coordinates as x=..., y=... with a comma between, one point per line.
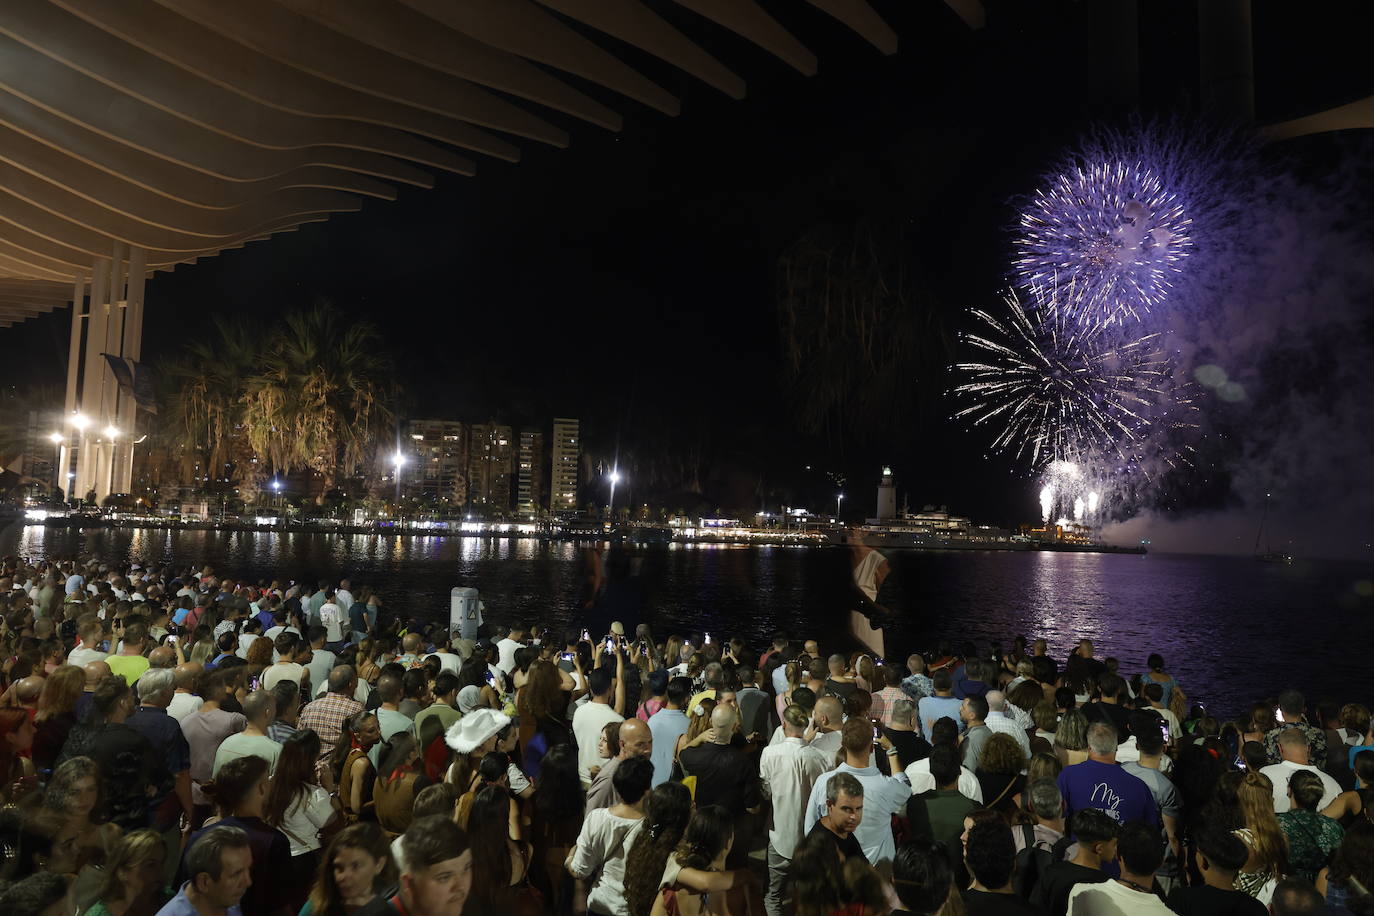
x=779, y=649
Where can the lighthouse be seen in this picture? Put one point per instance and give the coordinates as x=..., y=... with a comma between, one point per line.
x=887, y=496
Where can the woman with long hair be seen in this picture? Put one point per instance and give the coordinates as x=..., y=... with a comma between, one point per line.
x=73, y=795
x=1351, y=873
x=1260, y=832
x=55, y=716
x=399, y=780
x=999, y=774
x=132, y=883
x=520, y=674
x=542, y=705
x=16, y=737
x=355, y=869
x=793, y=673
x=696, y=870
x=202, y=644
x=259, y=657
x=352, y=768
x=864, y=676
x=1260, y=722
x=1071, y=737
x=1311, y=838
x=666, y=814
x=240, y=790
x=672, y=655
x=817, y=877
x=300, y=808
x=698, y=728
x=475, y=673
x=559, y=803
x=500, y=862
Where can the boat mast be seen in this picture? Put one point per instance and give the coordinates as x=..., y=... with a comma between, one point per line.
x=1259, y=534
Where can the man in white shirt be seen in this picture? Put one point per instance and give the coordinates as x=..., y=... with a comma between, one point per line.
x=185, y=701
x=343, y=596
x=883, y=795
x=507, y=646
x=287, y=668
x=1139, y=852
x=91, y=632
x=593, y=716
x=75, y=582
x=607, y=835
x=788, y=770
x=1293, y=750
x=918, y=774
x=1000, y=720
x=332, y=619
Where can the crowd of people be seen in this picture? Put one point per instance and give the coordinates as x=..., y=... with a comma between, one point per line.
x=175, y=742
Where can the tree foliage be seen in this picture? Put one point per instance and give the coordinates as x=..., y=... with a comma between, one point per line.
x=313, y=392
x=856, y=331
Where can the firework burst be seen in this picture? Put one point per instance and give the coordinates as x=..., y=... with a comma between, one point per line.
x=1057, y=389
x=1113, y=230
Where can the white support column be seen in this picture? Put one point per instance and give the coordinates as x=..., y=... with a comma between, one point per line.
x=114, y=344
x=88, y=458
x=131, y=347
x=68, y=430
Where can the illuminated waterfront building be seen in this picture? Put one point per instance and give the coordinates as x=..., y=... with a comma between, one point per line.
x=491, y=466
x=437, y=471
x=530, y=472
x=566, y=464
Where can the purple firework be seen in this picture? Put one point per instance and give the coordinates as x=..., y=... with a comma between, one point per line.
x=1113, y=231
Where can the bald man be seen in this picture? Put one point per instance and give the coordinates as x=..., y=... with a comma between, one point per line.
x=26, y=691
x=727, y=775
x=95, y=673
x=636, y=740
x=826, y=722
x=185, y=700
x=162, y=657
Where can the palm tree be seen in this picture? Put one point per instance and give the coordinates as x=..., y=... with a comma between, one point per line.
x=324, y=398
x=203, y=398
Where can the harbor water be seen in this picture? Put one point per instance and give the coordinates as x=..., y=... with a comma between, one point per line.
x=1231, y=630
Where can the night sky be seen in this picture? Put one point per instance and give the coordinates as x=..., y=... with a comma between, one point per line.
x=630, y=279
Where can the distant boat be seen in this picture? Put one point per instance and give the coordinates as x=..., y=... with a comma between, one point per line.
x=1270, y=555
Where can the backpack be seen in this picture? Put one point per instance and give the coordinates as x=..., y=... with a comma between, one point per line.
x=1032, y=861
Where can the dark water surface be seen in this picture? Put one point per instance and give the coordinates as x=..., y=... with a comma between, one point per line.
x=1230, y=629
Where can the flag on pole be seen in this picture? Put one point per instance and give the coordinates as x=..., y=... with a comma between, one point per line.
x=135, y=380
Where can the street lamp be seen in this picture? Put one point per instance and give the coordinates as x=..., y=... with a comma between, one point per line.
x=615, y=479
x=111, y=432
x=81, y=421
x=398, y=461
x=838, y=498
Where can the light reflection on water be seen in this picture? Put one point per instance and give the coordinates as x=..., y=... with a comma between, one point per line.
x=1230, y=629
